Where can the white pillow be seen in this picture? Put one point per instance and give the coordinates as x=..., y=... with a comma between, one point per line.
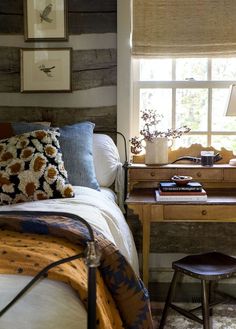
x=106, y=159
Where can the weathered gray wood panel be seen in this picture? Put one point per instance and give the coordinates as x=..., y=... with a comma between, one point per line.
x=9, y=69
x=94, y=59
x=11, y=7
x=81, y=23
x=187, y=237
x=11, y=24
x=92, y=16
x=90, y=69
x=9, y=59
x=94, y=68
x=16, y=6
x=103, y=117
x=94, y=78
x=92, y=5
x=9, y=82
x=78, y=23
x=194, y=237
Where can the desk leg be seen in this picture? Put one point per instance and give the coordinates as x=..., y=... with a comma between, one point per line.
x=146, y=243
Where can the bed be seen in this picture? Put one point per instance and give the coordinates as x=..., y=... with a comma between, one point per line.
x=60, y=299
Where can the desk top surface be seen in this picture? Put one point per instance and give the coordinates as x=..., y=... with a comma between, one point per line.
x=178, y=165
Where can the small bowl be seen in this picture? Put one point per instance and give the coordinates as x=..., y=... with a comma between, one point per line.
x=181, y=180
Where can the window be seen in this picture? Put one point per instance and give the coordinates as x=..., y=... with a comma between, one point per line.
x=187, y=91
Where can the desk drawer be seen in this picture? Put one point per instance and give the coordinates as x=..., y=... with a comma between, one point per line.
x=203, y=174
x=151, y=174
x=200, y=212
x=230, y=175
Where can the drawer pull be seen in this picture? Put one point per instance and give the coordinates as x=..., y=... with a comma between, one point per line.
x=204, y=212
x=153, y=174
x=199, y=174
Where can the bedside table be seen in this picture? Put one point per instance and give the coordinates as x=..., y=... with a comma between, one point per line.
x=219, y=182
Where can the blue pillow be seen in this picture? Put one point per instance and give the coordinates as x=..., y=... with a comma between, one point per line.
x=77, y=148
x=76, y=143
x=26, y=127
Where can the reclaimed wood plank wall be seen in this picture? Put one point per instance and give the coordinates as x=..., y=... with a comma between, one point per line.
x=92, y=35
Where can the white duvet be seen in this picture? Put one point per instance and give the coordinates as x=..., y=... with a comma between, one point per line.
x=46, y=305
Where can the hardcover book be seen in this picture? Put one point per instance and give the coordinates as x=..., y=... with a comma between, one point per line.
x=188, y=196
x=202, y=192
x=172, y=186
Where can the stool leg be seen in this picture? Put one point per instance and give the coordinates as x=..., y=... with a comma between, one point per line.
x=211, y=295
x=205, y=304
x=169, y=299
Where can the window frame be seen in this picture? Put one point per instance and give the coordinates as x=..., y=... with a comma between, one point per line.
x=175, y=84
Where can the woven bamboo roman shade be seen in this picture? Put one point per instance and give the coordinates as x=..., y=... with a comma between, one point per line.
x=184, y=27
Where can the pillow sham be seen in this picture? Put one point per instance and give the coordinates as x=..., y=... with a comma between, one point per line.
x=76, y=143
x=26, y=127
x=106, y=159
x=31, y=168
x=9, y=129
x=77, y=147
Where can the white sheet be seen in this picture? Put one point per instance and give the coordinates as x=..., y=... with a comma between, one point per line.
x=99, y=209
x=48, y=305
x=51, y=304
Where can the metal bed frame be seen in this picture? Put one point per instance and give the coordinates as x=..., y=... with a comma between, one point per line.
x=92, y=257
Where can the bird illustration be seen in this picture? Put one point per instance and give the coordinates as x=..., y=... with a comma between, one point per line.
x=44, y=14
x=46, y=70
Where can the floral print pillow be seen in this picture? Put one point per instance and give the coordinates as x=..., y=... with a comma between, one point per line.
x=31, y=168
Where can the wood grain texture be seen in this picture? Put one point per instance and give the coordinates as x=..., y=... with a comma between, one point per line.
x=186, y=237
x=193, y=237
x=92, y=5
x=103, y=117
x=11, y=17
x=92, y=16
x=190, y=231
x=16, y=6
x=90, y=69
x=94, y=68
x=94, y=59
x=80, y=23
x=9, y=69
x=11, y=7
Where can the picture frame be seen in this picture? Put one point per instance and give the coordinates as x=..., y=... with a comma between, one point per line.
x=45, y=20
x=46, y=70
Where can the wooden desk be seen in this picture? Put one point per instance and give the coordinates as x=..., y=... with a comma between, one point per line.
x=220, y=206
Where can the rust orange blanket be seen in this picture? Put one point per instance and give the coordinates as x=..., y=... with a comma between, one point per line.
x=29, y=244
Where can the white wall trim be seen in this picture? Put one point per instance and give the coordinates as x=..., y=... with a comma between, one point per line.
x=124, y=91
x=95, y=97
x=77, y=42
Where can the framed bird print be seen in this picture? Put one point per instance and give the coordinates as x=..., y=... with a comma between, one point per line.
x=45, y=20
x=46, y=70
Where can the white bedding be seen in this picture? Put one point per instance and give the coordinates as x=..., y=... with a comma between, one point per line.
x=51, y=300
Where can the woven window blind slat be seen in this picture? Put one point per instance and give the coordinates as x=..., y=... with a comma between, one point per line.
x=184, y=27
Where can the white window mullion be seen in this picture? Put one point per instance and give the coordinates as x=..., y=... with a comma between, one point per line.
x=209, y=116
x=136, y=98
x=173, y=94
x=184, y=84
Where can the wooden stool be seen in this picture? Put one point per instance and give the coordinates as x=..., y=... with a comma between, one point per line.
x=209, y=268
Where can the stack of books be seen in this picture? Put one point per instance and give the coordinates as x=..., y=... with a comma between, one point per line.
x=170, y=191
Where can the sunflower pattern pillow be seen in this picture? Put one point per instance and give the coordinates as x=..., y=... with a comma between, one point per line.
x=31, y=168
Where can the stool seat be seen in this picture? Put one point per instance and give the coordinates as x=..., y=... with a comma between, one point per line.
x=208, y=266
